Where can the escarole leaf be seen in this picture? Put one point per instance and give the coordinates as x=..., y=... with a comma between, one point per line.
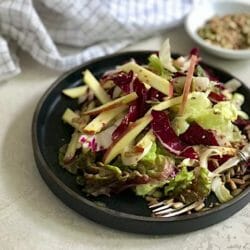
x=151, y=155
x=197, y=104
x=165, y=56
x=157, y=66
x=221, y=192
x=192, y=185
x=217, y=118
x=220, y=119
x=148, y=188
x=202, y=182
x=181, y=181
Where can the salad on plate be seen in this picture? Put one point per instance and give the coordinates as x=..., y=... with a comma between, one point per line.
x=168, y=129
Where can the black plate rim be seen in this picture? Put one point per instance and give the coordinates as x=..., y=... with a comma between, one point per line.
x=111, y=212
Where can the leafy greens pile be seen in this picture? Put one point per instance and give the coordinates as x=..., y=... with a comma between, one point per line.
x=160, y=129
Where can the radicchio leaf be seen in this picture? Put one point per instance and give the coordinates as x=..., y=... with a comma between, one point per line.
x=194, y=51
x=211, y=75
x=138, y=108
x=168, y=138
x=241, y=123
x=196, y=135
x=154, y=95
x=216, y=97
x=189, y=152
x=131, y=116
x=121, y=79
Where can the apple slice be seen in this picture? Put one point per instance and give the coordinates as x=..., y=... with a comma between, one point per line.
x=137, y=152
x=112, y=104
x=69, y=116
x=72, y=147
x=108, y=84
x=75, y=92
x=96, y=87
x=100, y=121
x=147, y=77
x=129, y=135
x=167, y=104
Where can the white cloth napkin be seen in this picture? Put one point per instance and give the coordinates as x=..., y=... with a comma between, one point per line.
x=94, y=27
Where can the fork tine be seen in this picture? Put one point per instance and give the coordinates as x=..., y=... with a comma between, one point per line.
x=161, y=203
x=164, y=211
x=157, y=204
x=183, y=210
x=162, y=208
x=168, y=208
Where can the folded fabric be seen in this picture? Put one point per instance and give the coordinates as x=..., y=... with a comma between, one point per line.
x=94, y=27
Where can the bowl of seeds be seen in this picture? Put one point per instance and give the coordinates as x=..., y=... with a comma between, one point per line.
x=221, y=28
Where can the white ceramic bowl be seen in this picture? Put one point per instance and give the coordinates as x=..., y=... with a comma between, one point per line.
x=206, y=10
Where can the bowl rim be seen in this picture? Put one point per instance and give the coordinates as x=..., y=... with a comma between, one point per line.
x=39, y=155
x=242, y=53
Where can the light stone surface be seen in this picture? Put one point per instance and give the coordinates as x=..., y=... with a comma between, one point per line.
x=31, y=217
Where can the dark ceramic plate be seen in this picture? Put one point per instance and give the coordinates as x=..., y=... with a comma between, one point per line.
x=125, y=211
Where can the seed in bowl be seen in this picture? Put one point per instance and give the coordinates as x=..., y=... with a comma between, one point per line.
x=231, y=31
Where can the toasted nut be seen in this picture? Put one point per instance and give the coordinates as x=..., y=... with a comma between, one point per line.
x=178, y=205
x=246, y=177
x=228, y=176
x=201, y=206
x=247, y=183
x=232, y=172
x=236, y=192
x=232, y=184
x=238, y=181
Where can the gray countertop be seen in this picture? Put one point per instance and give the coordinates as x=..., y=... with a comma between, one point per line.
x=31, y=217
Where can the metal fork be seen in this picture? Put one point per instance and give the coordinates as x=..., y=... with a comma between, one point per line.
x=242, y=156
x=169, y=208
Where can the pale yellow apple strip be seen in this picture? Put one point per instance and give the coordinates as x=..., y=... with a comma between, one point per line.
x=72, y=146
x=75, y=92
x=167, y=104
x=133, y=130
x=146, y=139
x=147, y=77
x=112, y=104
x=100, y=121
x=96, y=87
x=69, y=116
x=131, y=155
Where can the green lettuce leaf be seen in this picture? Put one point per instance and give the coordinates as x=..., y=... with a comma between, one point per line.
x=237, y=100
x=149, y=188
x=197, y=104
x=151, y=155
x=157, y=67
x=226, y=109
x=199, y=71
x=202, y=182
x=221, y=192
x=218, y=117
x=181, y=181
x=191, y=185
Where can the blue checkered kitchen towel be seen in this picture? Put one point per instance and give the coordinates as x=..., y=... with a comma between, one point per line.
x=93, y=27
